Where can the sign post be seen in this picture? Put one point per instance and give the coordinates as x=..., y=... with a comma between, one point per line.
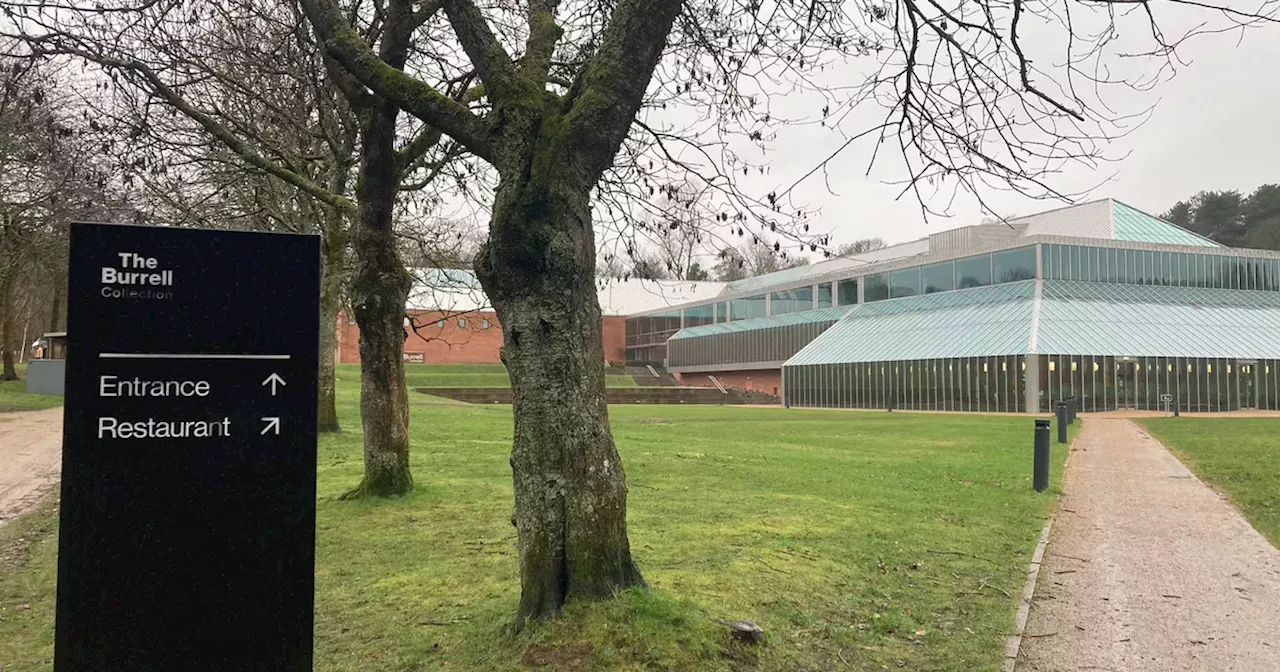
x=187, y=531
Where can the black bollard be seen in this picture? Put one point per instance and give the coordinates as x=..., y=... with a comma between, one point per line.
x=1176, y=408
x=1064, y=419
x=1040, y=467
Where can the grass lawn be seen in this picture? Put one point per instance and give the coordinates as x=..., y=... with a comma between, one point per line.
x=14, y=397
x=1238, y=456
x=858, y=541
x=460, y=375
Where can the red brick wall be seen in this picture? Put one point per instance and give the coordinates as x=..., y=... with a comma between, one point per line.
x=470, y=344
x=615, y=338
x=763, y=380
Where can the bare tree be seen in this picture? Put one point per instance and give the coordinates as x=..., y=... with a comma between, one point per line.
x=965, y=104
x=752, y=259
x=558, y=126
x=860, y=246
x=51, y=171
x=249, y=79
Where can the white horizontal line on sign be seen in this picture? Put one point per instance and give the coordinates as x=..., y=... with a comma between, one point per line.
x=178, y=355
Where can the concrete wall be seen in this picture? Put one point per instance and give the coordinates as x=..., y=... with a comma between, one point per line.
x=46, y=376
x=448, y=338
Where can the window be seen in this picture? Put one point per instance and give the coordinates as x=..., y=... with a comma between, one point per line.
x=791, y=301
x=484, y=324
x=904, y=283
x=824, y=295
x=699, y=315
x=1132, y=274
x=938, y=277
x=440, y=324
x=876, y=289
x=847, y=292
x=462, y=323
x=1015, y=265
x=722, y=311
x=973, y=272
x=745, y=309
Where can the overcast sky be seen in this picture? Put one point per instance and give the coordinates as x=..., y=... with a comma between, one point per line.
x=1214, y=126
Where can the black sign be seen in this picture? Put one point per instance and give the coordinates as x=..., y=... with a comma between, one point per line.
x=187, y=537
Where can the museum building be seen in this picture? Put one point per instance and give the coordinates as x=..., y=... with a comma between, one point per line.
x=1097, y=301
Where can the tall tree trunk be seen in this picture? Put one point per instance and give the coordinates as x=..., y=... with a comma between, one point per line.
x=380, y=288
x=55, y=309
x=10, y=371
x=330, y=303
x=538, y=269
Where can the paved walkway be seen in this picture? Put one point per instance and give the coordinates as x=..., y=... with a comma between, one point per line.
x=1148, y=569
x=30, y=458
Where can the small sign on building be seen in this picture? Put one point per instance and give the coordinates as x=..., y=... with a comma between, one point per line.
x=414, y=357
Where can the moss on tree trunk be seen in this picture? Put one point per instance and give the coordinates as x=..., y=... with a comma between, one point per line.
x=538, y=270
x=379, y=289
x=330, y=305
x=10, y=371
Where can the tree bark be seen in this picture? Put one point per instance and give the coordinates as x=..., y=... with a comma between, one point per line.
x=55, y=309
x=10, y=371
x=538, y=270
x=380, y=288
x=330, y=304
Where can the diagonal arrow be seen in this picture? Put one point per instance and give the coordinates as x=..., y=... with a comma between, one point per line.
x=272, y=424
x=275, y=380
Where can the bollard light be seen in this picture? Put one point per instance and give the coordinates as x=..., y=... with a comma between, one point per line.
x=1040, y=462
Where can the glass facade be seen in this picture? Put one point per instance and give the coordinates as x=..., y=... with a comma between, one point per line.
x=769, y=344
x=824, y=296
x=905, y=282
x=1094, y=298
x=991, y=384
x=646, y=339
x=938, y=277
x=876, y=287
x=745, y=309
x=973, y=272
x=1165, y=269
x=791, y=301
x=848, y=292
x=697, y=316
x=1194, y=384
x=1014, y=265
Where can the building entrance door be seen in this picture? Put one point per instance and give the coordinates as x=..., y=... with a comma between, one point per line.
x=1126, y=385
x=1248, y=384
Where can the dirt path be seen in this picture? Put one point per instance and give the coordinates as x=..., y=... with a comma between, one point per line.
x=1148, y=569
x=30, y=458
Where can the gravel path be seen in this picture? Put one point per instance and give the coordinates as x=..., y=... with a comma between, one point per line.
x=30, y=458
x=1149, y=569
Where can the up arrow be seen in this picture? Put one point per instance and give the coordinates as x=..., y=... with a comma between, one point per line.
x=272, y=424
x=275, y=380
